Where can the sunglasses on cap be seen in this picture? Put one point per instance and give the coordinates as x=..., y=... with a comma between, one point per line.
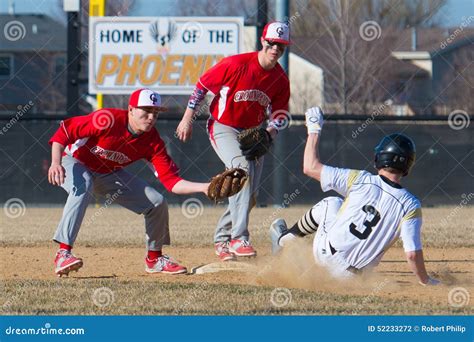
x=272, y=44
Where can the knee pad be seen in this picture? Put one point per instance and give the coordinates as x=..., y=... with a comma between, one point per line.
x=154, y=196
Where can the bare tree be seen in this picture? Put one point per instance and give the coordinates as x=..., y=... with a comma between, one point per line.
x=387, y=13
x=459, y=82
x=245, y=8
x=348, y=39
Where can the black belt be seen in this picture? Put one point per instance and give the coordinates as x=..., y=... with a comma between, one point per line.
x=351, y=269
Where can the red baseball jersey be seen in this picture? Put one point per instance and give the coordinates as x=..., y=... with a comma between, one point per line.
x=245, y=93
x=103, y=143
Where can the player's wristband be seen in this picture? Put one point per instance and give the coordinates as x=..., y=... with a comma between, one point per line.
x=314, y=129
x=275, y=124
x=196, y=98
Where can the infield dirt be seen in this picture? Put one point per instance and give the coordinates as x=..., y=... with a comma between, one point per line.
x=113, y=252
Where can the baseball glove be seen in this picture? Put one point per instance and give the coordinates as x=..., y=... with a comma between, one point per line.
x=226, y=184
x=254, y=142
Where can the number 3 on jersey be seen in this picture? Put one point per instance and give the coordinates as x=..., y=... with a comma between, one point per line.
x=368, y=224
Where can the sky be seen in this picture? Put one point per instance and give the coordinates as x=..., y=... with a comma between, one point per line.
x=452, y=15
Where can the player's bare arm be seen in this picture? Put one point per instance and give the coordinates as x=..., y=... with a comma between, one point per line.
x=416, y=262
x=184, y=187
x=56, y=173
x=221, y=186
x=185, y=127
x=312, y=166
x=184, y=130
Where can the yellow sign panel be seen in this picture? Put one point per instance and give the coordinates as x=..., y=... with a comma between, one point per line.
x=96, y=8
x=154, y=69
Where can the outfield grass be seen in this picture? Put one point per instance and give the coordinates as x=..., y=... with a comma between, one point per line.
x=110, y=297
x=115, y=226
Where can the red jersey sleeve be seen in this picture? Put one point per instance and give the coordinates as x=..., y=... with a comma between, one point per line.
x=165, y=168
x=215, y=77
x=78, y=127
x=280, y=101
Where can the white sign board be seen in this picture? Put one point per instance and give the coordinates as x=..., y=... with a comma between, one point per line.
x=166, y=54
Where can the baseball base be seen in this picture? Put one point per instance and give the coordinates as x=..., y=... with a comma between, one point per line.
x=215, y=267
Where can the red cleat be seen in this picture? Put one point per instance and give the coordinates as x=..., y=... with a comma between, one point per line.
x=242, y=248
x=223, y=252
x=164, y=264
x=66, y=262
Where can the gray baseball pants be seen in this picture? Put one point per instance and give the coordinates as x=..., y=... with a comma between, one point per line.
x=122, y=188
x=233, y=224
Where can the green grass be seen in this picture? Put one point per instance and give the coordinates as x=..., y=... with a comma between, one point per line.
x=76, y=297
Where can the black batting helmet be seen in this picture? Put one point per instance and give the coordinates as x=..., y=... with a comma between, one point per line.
x=396, y=151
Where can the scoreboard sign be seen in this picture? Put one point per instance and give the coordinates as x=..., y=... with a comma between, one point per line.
x=166, y=54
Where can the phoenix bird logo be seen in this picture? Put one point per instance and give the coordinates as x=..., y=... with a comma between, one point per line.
x=163, y=33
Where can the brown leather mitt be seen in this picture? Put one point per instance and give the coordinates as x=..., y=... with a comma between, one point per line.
x=254, y=142
x=226, y=184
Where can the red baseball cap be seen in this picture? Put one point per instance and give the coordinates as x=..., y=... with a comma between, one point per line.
x=145, y=98
x=277, y=31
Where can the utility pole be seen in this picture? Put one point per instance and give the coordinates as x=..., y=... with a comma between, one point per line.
x=282, y=14
x=262, y=19
x=97, y=9
x=72, y=7
x=280, y=176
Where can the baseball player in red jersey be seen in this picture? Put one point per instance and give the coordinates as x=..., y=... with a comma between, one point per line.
x=88, y=156
x=247, y=89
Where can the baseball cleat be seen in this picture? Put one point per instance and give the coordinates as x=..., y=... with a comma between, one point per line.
x=222, y=251
x=164, y=264
x=242, y=248
x=66, y=262
x=277, y=229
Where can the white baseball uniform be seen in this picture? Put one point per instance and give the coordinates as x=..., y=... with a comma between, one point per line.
x=355, y=233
